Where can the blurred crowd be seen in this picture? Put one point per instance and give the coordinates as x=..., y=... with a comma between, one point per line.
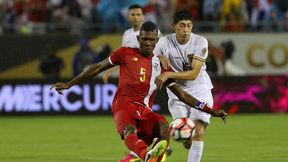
x=51, y=64
x=78, y=16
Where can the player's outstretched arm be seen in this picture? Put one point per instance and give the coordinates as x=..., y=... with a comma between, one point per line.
x=193, y=102
x=87, y=74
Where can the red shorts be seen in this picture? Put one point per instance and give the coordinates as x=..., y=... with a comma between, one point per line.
x=127, y=113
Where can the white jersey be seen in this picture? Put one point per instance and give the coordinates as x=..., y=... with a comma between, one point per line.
x=196, y=48
x=129, y=38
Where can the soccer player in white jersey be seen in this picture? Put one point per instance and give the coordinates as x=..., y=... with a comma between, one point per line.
x=187, y=53
x=129, y=38
x=136, y=18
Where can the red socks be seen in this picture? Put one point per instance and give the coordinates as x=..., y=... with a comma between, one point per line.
x=136, y=145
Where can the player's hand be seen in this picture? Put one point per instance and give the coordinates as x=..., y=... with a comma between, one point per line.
x=108, y=73
x=59, y=87
x=161, y=79
x=165, y=63
x=106, y=76
x=219, y=113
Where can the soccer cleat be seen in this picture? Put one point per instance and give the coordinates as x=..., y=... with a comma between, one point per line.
x=130, y=158
x=154, y=153
x=166, y=154
x=164, y=158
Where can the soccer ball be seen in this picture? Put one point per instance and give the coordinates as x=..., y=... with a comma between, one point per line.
x=181, y=129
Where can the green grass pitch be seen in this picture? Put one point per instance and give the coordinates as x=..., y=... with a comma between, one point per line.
x=245, y=138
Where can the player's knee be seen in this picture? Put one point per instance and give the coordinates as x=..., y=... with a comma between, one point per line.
x=199, y=131
x=129, y=129
x=199, y=135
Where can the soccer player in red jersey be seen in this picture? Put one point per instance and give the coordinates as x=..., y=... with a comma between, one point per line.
x=135, y=121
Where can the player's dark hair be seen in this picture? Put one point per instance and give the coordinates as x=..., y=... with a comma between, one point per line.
x=181, y=15
x=135, y=6
x=149, y=27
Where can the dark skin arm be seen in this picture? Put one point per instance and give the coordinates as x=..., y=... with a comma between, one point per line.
x=191, y=101
x=91, y=72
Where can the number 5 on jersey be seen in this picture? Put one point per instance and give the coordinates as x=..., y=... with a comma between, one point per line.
x=142, y=74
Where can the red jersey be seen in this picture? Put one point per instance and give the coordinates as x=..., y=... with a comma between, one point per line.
x=137, y=76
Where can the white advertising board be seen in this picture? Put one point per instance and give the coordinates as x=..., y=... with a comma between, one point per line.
x=257, y=53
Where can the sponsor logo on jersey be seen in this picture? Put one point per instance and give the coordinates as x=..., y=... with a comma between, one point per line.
x=138, y=113
x=134, y=58
x=203, y=52
x=190, y=57
x=156, y=66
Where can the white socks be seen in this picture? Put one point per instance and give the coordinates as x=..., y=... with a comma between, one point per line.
x=195, y=152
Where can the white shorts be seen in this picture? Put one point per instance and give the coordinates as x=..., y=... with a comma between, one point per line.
x=178, y=109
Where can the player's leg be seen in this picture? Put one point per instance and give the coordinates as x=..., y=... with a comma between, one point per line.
x=197, y=142
x=163, y=127
x=178, y=109
x=133, y=142
x=201, y=120
x=124, y=119
x=164, y=134
x=155, y=126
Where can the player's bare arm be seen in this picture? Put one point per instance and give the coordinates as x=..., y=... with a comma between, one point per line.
x=193, y=102
x=165, y=63
x=185, y=75
x=92, y=71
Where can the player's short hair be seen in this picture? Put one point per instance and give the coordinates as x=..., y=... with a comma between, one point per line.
x=149, y=27
x=182, y=15
x=135, y=6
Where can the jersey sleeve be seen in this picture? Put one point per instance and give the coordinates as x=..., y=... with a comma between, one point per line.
x=117, y=57
x=201, y=51
x=159, y=48
x=124, y=39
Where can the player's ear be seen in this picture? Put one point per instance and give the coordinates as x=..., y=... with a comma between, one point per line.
x=142, y=17
x=173, y=26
